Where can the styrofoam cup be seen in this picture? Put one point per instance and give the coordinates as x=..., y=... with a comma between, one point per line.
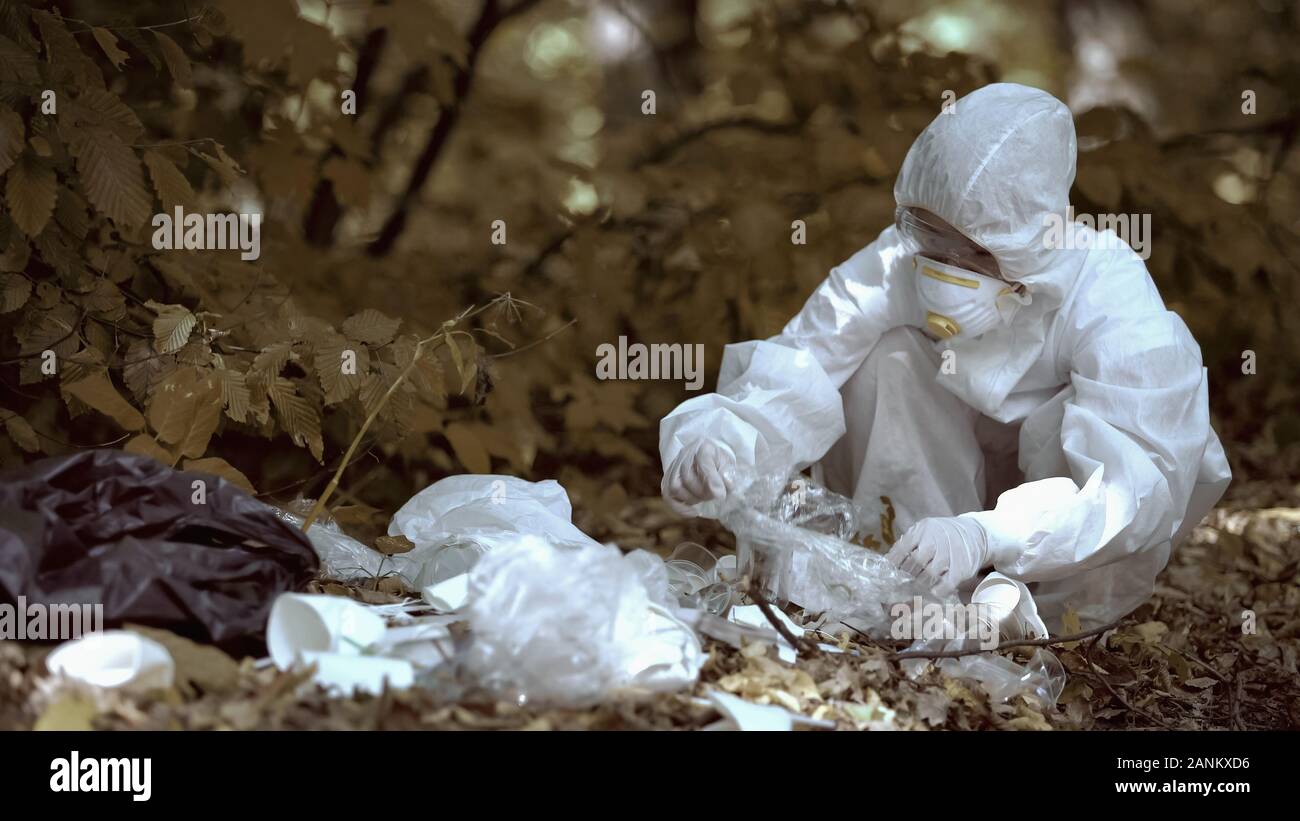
x=303, y=623
x=347, y=673
x=116, y=660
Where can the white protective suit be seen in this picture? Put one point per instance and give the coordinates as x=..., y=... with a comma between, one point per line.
x=1087, y=413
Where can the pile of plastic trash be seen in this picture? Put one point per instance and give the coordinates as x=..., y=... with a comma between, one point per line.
x=554, y=616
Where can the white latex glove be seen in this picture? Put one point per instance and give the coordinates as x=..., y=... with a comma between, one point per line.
x=701, y=472
x=942, y=552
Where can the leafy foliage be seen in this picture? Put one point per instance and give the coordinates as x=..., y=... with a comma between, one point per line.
x=666, y=227
x=178, y=349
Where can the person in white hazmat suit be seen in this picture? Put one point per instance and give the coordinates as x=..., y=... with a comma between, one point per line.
x=1026, y=406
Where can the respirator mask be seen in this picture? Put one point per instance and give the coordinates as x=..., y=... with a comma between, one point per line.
x=961, y=302
x=959, y=283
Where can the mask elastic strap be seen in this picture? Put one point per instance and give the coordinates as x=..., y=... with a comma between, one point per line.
x=1018, y=292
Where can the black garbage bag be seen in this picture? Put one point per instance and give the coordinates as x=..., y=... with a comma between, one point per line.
x=114, y=528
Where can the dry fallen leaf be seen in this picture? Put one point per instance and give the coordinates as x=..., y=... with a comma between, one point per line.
x=197, y=666
x=392, y=545
x=68, y=712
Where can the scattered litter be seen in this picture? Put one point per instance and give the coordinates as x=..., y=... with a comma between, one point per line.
x=114, y=660
x=346, y=674
x=574, y=623
x=341, y=556
x=821, y=572
x=448, y=596
x=452, y=523
x=556, y=617
x=1009, y=606
x=701, y=580
x=338, y=636
x=752, y=616
x=457, y=520
x=824, y=573
x=319, y=624
x=1042, y=677
x=188, y=552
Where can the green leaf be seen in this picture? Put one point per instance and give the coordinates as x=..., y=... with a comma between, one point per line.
x=108, y=43
x=15, y=290
x=112, y=180
x=20, y=430
x=30, y=192
x=177, y=63
x=172, y=326
x=371, y=327
x=297, y=415
x=172, y=187
x=17, y=63
x=98, y=392
x=186, y=409
x=12, y=134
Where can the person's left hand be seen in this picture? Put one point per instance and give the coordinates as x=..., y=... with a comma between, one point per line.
x=942, y=552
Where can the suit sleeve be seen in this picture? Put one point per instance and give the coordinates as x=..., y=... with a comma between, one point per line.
x=778, y=406
x=1133, y=436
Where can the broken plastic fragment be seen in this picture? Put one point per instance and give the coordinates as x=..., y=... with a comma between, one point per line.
x=448, y=596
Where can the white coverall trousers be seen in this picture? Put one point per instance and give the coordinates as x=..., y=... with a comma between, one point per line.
x=911, y=440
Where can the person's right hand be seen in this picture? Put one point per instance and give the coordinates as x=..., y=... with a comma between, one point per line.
x=701, y=472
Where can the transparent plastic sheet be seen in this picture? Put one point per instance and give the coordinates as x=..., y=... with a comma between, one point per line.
x=575, y=624
x=812, y=507
x=823, y=572
x=1042, y=676
x=924, y=233
x=453, y=523
x=341, y=556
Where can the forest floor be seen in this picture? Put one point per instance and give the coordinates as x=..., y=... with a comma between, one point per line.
x=1215, y=648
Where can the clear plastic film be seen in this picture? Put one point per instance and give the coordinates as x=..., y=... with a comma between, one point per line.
x=341, y=556
x=575, y=624
x=824, y=572
x=700, y=580
x=924, y=233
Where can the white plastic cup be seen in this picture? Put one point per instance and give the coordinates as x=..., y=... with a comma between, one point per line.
x=347, y=673
x=1009, y=606
x=454, y=559
x=114, y=660
x=302, y=623
x=728, y=569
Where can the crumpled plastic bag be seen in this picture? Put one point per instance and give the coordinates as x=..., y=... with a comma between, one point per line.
x=457, y=520
x=467, y=506
x=574, y=624
x=119, y=529
x=452, y=523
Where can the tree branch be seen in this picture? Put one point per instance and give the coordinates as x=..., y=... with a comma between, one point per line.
x=324, y=210
x=489, y=19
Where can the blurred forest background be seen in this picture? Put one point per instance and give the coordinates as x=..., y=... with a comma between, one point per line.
x=672, y=226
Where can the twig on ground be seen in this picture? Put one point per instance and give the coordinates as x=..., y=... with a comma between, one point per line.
x=797, y=642
x=1087, y=657
x=1047, y=642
